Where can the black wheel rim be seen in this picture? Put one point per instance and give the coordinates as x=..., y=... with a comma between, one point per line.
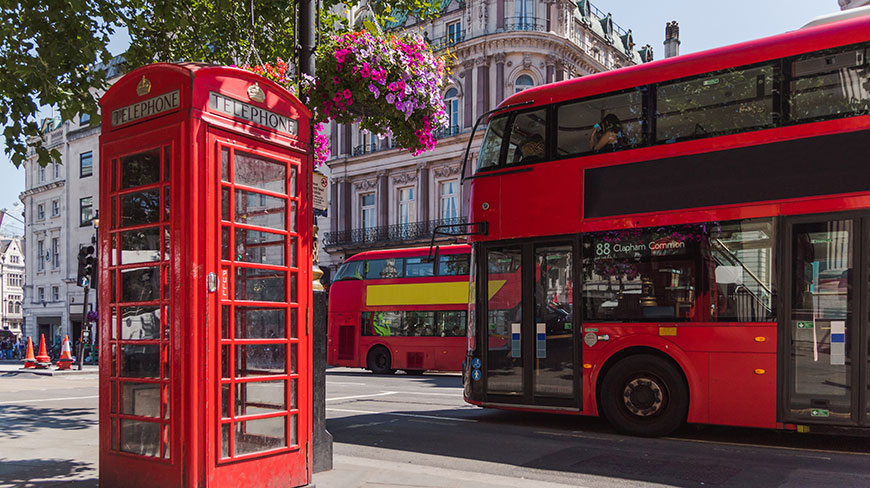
x=645, y=396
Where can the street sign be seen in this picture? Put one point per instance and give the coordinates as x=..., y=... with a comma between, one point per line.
x=319, y=183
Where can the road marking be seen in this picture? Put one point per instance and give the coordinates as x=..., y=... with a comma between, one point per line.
x=385, y=393
x=49, y=400
x=400, y=414
x=346, y=383
x=454, y=395
x=762, y=446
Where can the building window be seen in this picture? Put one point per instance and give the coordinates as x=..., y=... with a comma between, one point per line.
x=40, y=293
x=86, y=164
x=451, y=100
x=40, y=251
x=13, y=259
x=449, y=200
x=406, y=205
x=55, y=208
x=40, y=211
x=525, y=14
x=523, y=82
x=55, y=294
x=41, y=173
x=86, y=211
x=367, y=212
x=55, y=252
x=454, y=32
x=56, y=168
x=84, y=119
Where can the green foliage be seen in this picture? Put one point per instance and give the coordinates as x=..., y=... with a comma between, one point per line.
x=50, y=50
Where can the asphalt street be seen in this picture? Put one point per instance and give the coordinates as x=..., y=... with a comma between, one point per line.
x=419, y=425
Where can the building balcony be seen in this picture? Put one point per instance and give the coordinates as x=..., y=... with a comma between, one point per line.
x=446, y=132
x=444, y=42
x=525, y=24
x=387, y=235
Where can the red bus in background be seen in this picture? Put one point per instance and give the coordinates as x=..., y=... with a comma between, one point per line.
x=690, y=238
x=396, y=309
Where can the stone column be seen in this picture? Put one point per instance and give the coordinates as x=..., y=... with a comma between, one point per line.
x=423, y=190
x=560, y=71
x=468, y=108
x=499, y=78
x=345, y=220
x=383, y=199
x=482, y=85
x=334, y=205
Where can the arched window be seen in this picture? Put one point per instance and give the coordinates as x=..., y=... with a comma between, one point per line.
x=451, y=101
x=523, y=82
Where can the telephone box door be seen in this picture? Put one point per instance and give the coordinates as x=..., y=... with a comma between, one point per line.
x=261, y=309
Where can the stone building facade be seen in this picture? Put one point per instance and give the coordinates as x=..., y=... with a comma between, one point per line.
x=11, y=285
x=383, y=197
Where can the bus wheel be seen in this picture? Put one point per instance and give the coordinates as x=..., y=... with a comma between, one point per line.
x=644, y=395
x=379, y=361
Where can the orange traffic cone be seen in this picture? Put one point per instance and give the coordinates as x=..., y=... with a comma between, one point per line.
x=65, y=361
x=42, y=360
x=29, y=360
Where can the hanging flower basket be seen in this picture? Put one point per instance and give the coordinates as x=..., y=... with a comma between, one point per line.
x=391, y=85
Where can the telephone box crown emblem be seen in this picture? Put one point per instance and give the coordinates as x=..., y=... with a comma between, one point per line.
x=256, y=93
x=144, y=87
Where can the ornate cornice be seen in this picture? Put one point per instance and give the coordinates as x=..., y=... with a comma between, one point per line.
x=404, y=178
x=366, y=184
x=41, y=189
x=445, y=171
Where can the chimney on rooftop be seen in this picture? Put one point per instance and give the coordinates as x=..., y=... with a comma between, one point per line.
x=672, y=39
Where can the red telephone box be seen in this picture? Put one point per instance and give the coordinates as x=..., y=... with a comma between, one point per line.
x=205, y=281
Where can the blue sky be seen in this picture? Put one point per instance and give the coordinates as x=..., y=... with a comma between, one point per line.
x=703, y=25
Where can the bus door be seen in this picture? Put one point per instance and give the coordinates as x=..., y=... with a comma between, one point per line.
x=530, y=340
x=825, y=321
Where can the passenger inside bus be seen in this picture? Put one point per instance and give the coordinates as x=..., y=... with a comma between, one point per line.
x=606, y=135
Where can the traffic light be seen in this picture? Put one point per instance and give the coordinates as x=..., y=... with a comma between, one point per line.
x=87, y=269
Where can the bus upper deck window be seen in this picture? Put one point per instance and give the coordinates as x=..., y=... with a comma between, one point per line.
x=351, y=270
x=490, y=150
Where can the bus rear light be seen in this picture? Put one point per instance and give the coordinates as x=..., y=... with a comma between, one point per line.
x=760, y=339
x=587, y=366
x=760, y=371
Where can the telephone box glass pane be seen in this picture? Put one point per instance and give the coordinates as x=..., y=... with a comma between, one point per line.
x=139, y=437
x=260, y=360
x=225, y=164
x=167, y=159
x=260, y=210
x=260, y=435
x=294, y=394
x=140, y=169
x=225, y=243
x=166, y=203
x=225, y=204
x=225, y=400
x=225, y=440
x=140, y=208
x=140, y=284
x=259, y=172
x=140, y=246
x=260, y=323
x=260, y=285
x=140, y=323
x=253, y=246
x=140, y=399
x=260, y=397
x=140, y=361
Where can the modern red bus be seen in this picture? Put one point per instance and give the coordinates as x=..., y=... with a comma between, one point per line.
x=690, y=237
x=398, y=309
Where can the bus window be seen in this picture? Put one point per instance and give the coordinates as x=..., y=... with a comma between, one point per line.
x=384, y=268
x=490, y=150
x=725, y=102
x=829, y=84
x=742, y=264
x=453, y=264
x=418, y=267
x=584, y=125
x=528, y=136
x=450, y=324
x=351, y=270
x=643, y=275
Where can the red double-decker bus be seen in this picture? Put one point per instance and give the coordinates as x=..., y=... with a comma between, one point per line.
x=400, y=309
x=689, y=240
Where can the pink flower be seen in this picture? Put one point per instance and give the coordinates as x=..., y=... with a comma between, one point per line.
x=347, y=93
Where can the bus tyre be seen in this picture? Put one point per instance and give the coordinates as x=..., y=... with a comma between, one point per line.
x=644, y=395
x=379, y=361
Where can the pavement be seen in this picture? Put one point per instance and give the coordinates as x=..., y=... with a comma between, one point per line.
x=59, y=423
